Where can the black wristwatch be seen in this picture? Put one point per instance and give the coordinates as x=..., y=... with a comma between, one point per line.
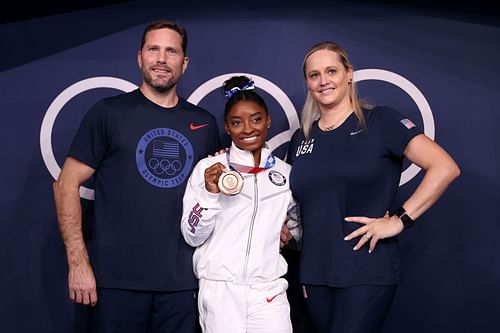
x=408, y=222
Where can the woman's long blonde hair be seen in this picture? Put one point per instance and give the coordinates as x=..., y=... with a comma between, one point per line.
x=310, y=111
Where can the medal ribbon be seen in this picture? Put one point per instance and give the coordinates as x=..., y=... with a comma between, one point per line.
x=270, y=162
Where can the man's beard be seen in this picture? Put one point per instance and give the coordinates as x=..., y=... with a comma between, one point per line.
x=160, y=87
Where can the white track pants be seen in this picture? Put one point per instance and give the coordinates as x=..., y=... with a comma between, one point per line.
x=232, y=308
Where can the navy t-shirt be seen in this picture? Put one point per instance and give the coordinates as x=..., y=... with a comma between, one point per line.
x=143, y=155
x=349, y=171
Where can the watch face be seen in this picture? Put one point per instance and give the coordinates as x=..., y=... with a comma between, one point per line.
x=407, y=221
x=400, y=211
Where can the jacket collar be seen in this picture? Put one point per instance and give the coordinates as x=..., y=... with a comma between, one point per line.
x=244, y=157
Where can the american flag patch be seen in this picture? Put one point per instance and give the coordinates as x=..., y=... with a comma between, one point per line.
x=408, y=123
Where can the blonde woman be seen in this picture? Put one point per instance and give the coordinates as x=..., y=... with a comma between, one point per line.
x=346, y=166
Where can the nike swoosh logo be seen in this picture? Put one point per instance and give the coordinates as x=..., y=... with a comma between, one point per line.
x=357, y=132
x=269, y=300
x=194, y=127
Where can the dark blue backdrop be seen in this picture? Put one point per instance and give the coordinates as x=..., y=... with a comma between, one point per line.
x=451, y=263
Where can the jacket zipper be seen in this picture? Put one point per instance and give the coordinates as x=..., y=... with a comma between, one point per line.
x=252, y=221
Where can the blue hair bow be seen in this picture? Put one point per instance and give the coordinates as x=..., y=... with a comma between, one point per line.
x=247, y=86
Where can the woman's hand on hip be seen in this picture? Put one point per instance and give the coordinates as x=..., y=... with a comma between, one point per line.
x=373, y=230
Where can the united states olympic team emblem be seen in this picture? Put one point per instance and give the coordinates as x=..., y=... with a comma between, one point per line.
x=159, y=165
x=277, y=178
x=164, y=157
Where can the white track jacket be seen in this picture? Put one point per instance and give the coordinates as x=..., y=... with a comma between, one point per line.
x=237, y=238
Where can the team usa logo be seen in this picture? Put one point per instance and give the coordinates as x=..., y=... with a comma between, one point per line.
x=305, y=147
x=164, y=157
x=194, y=217
x=277, y=178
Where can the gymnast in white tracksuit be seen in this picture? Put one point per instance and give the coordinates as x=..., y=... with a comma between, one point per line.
x=235, y=225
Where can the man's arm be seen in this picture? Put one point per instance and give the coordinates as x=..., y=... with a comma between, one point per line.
x=81, y=280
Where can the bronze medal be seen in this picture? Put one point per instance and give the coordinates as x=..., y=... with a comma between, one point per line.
x=230, y=182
